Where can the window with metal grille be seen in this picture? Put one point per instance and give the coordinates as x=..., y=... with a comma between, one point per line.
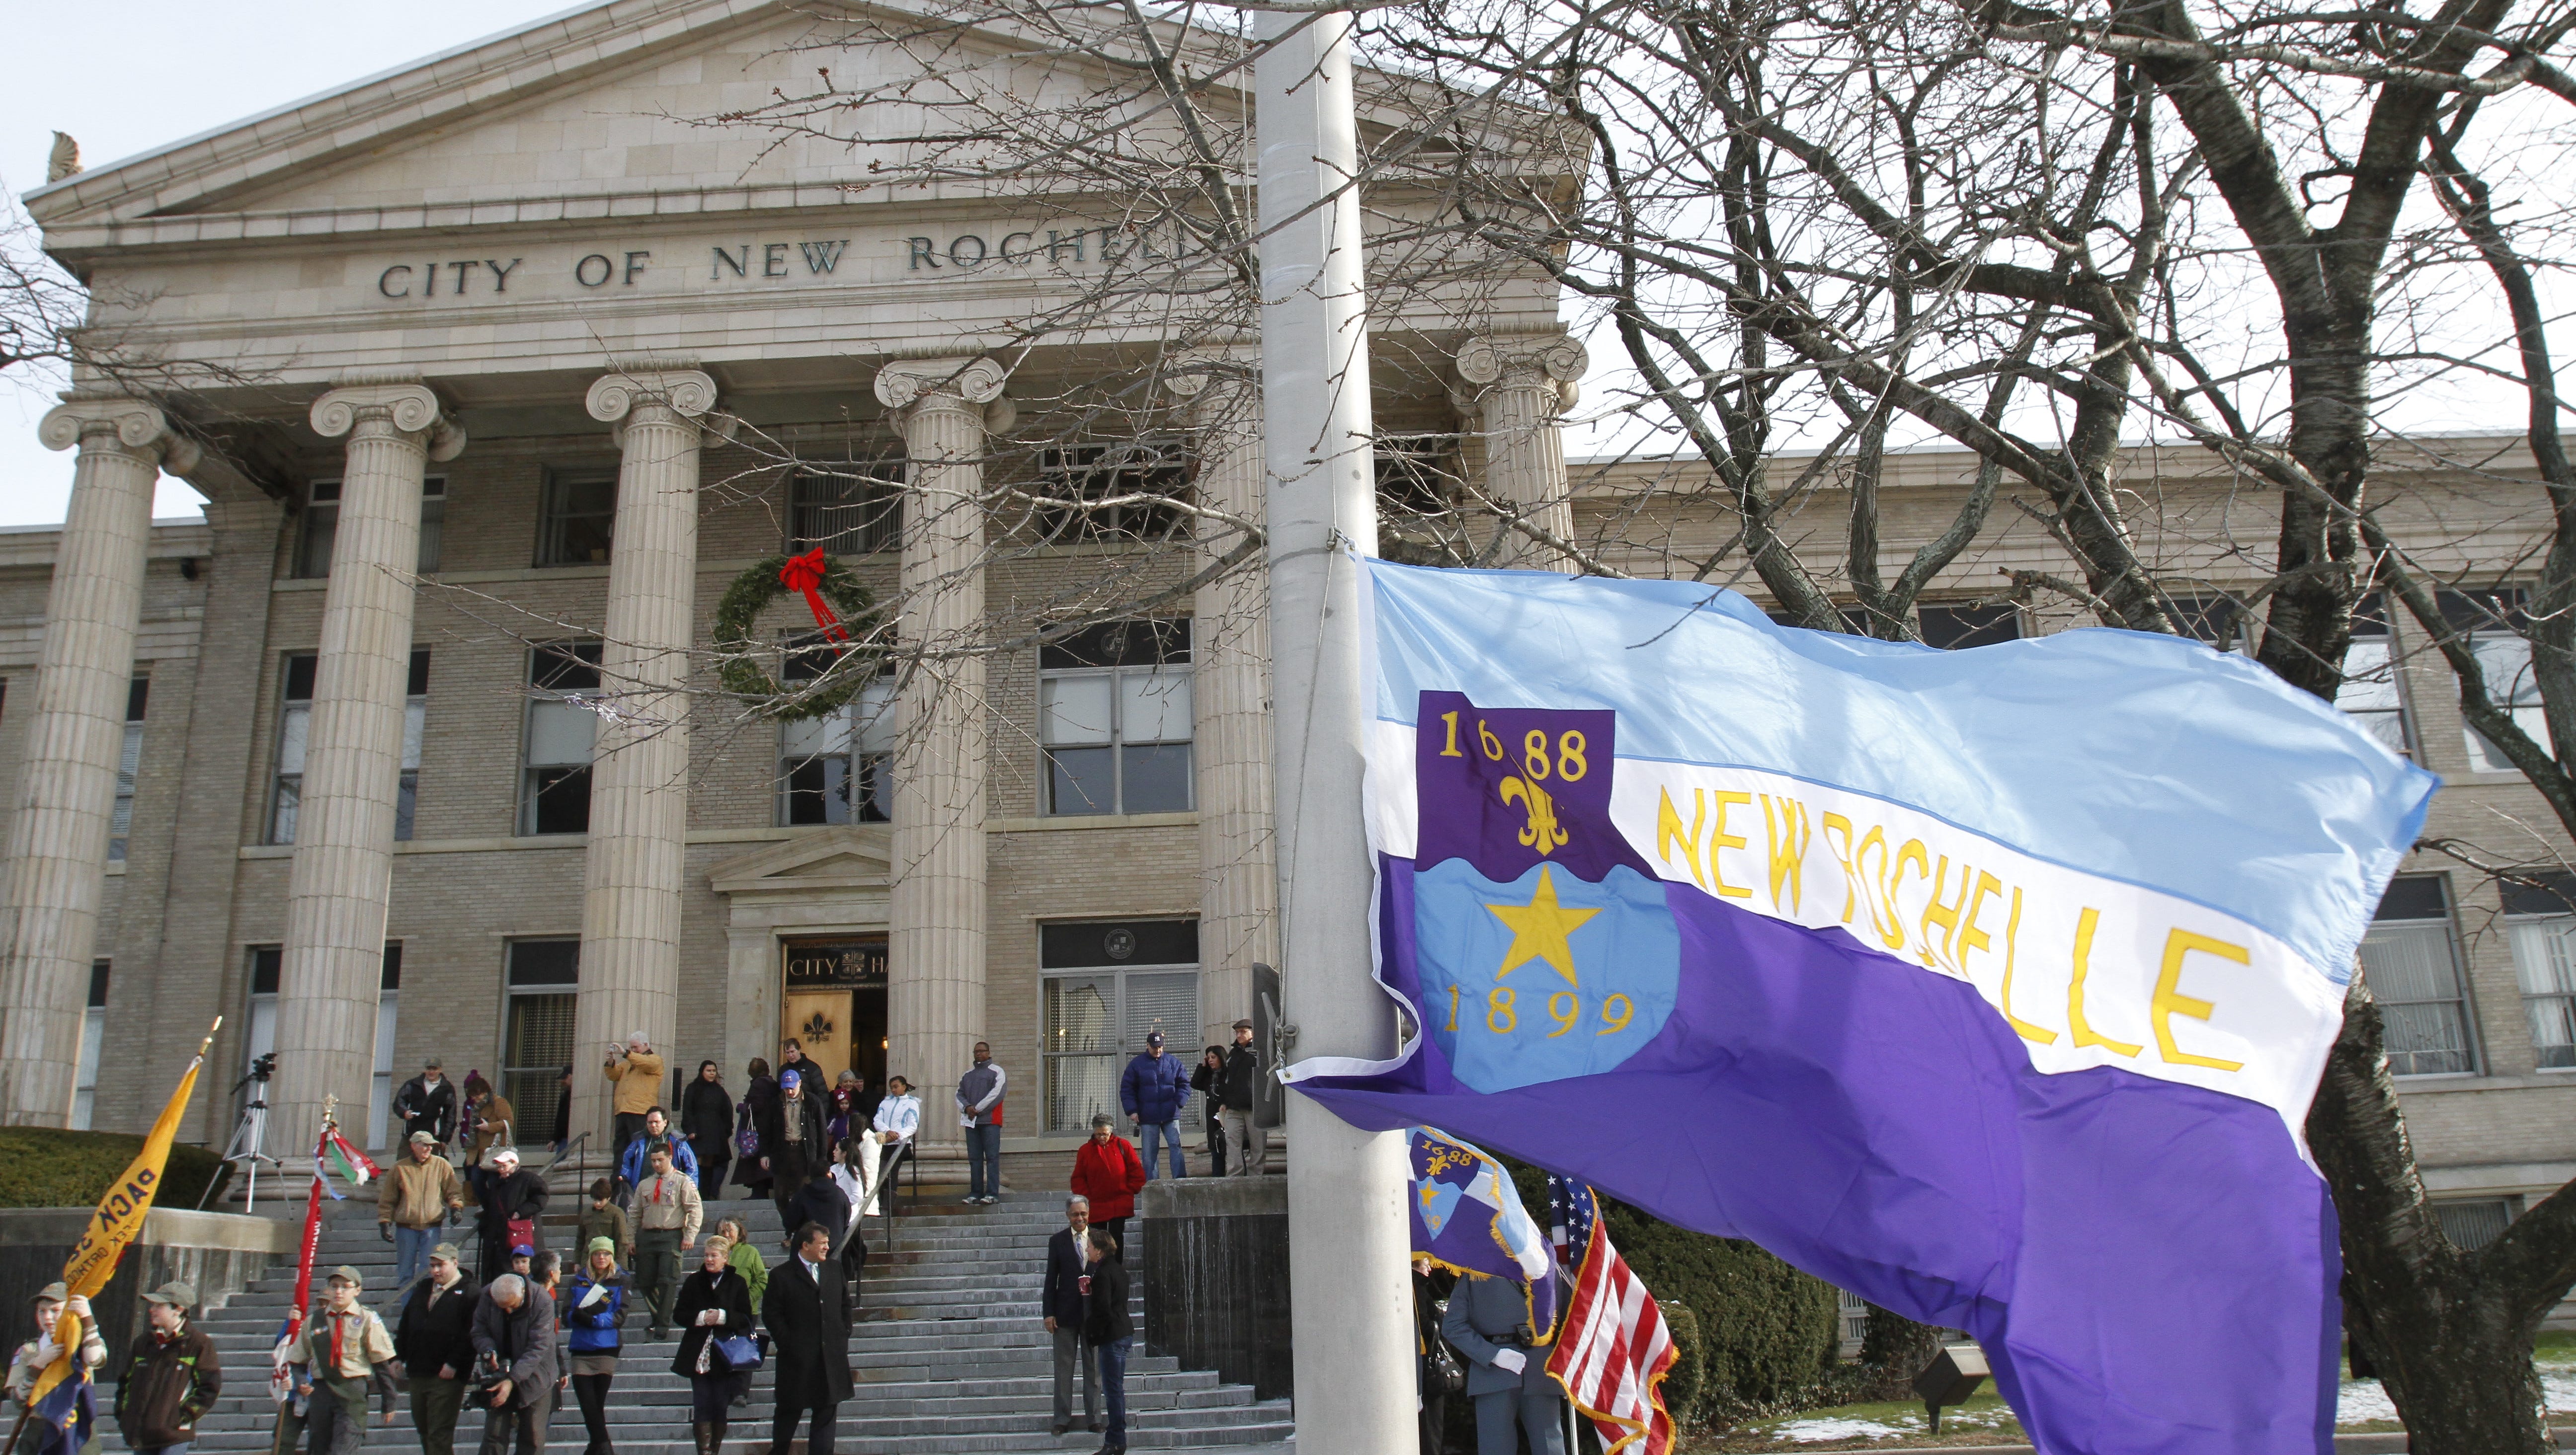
x=129, y=768
x=577, y=517
x=319, y=528
x=2412, y=958
x=294, y=728
x=1115, y=719
x=2540, y=918
x=537, y=1042
x=1106, y=985
x=1119, y=492
x=839, y=768
x=845, y=508
x=554, y=792
x=1954, y=626
x=2473, y=1222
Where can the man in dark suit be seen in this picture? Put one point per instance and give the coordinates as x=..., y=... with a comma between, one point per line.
x=1060, y=1301
x=1507, y=1378
x=811, y=1340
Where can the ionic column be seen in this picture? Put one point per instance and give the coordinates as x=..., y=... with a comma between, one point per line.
x=342, y=873
x=639, y=773
x=1519, y=383
x=67, y=790
x=1230, y=688
x=935, y=981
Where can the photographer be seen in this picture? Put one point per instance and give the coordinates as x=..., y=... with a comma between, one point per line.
x=636, y=1072
x=514, y=1368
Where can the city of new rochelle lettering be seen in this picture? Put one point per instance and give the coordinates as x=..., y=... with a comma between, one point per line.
x=757, y=263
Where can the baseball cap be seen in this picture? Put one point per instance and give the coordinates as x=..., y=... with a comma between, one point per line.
x=786, y=1079
x=447, y=1251
x=346, y=1274
x=523, y=1251
x=1153, y=1038
x=58, y=1291
x=432, y=1065
x=174, y=1293
x=423, y=1139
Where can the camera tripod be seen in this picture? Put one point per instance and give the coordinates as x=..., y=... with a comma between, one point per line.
x=249, y=1135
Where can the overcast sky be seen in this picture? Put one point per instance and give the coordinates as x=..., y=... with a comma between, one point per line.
x=136, y=75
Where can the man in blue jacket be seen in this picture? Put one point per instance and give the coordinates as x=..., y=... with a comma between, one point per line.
x=1153, y=1091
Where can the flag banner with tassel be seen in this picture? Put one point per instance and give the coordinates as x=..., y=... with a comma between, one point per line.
x=1467, y=1217
x=1990, y=985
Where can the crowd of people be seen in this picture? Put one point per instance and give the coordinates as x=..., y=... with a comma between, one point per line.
x=508, y=1331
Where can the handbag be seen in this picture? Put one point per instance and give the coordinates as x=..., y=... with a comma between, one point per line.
x=746, y=1134
x=1442, y=1373
x=523, y=1232
x=740, y=1354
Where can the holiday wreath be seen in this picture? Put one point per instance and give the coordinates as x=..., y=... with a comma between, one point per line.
x=841, y=607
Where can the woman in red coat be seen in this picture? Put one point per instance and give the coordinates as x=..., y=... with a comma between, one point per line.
x=1109, y=1173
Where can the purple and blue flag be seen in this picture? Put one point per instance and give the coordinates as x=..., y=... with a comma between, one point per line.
x=1468, y=1217
x=1990, y=985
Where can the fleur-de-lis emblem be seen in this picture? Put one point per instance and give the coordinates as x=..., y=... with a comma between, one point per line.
x=816, y=1030
x=1542, y=832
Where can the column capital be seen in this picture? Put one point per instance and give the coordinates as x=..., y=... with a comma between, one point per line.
x=907, y=384
x=685, y=392
x=136, y=426
x=1197, y=374
x=1525, y=360
x=411, y=408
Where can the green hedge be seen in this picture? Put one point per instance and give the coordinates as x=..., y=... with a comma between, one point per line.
x=40, y=1167
x=1760, y=1336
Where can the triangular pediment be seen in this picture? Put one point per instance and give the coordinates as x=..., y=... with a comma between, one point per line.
x=846, y=856
x=604, y=110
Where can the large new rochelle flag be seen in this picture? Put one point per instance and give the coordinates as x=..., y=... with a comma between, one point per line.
x=1990, y=985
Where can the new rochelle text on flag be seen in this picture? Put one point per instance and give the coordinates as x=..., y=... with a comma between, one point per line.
x=1990, y=985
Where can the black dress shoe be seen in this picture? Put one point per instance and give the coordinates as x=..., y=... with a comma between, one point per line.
x=1060, y=1427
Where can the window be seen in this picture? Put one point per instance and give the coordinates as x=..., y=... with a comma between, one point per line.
x=93, y=1042
x=294, y=734
x=1105, y=986
x=543, y=977
x=2369, y=695
x=1087, y=473
x=838, y=768
x=259, y=1035
x=845, y=509
x=1419, y=485
x=380, y=1092
x=1114, y=718
x=2413, y=962
x=2540, y=916
x=2473, y=1222
x=1954, y=627
x=555, y=798
x=2218, y=621
x=578, y=516
x=2493, y=621
x=129, y=764
x=320, y=526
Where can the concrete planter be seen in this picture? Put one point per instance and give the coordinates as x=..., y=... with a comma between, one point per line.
x=220, y=1253
x=1215, y=1255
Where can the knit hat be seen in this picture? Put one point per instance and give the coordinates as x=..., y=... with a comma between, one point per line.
x=602, y=1245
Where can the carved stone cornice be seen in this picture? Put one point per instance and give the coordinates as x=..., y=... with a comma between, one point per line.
x=410, y=408
x=966, y=384
x=137, y=428
x=1523, y=361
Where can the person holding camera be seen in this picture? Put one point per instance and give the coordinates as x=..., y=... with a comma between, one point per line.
x=637, y=1074
x=714, y=1315
x=1488, y=1321
x=514, y=1364
x=434, y=1348
x=343, y=1352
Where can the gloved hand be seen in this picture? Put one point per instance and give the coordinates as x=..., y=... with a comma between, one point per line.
x=1510, y=1361
x=385, y=1231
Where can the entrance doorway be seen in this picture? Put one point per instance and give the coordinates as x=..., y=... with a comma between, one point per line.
x=833, y=1004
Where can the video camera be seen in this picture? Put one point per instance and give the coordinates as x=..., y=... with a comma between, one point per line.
x=491, y=1371
x=264, y=1067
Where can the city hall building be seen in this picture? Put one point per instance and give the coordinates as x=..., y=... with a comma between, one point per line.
x=426, y=741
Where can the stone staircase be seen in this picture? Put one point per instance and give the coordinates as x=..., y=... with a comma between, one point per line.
x=950, y=1353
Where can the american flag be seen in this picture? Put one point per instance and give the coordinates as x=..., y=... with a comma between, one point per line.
x=1614, y=1349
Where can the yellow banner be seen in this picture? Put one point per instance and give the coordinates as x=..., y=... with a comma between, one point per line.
x=120, y=1214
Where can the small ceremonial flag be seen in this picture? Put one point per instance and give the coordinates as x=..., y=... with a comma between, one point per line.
x=338, y=1158
x=61, y=1399
x=1615, y=1350
x=1990, y=985
x=281, y=1380
x=1468, y=1217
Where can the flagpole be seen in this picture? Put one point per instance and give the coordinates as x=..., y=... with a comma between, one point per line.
x=1349, y=1286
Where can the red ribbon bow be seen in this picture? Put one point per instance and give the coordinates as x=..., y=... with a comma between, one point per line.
x=805, y=573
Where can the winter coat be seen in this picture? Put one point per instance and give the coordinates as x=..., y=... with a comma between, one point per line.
x=699, y=1292
x=706, y=1119
x=809, y=1078
x=1242, y=1077
x=166, y=1386
x=638, y=1075
x=824, y=1202
x=522, y=1194
x=762, y=1098
x=428, y=1338
x=427, y=1108
x=746, y=1260
x=632, y=1169
x=524, y=1337
x=1104, y=1309
x=1154, y=1089
x=592, y=1325
x=495, y=1108
x=809, y=1334
x=605, y=1222
x=418, y=1194
x=1060, y=1296
x=1110, y=1174
x=792, y=1164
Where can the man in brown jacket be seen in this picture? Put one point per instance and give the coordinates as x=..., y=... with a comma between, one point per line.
x=172, y=1375
x=416, y=1195
x=637, y=1072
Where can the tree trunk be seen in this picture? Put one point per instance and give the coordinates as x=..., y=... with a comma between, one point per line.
x=2452, y=1342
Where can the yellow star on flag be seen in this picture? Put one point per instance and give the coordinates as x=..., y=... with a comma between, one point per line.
x=1539, y=929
